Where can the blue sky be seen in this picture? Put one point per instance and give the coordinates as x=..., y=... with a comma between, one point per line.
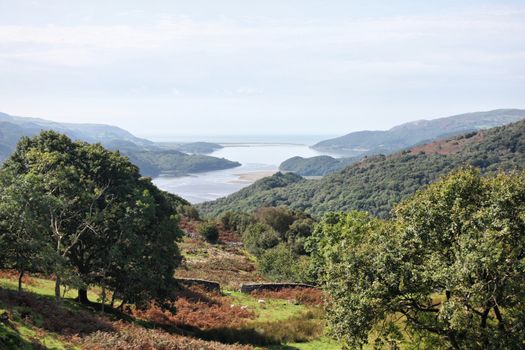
x=161, y=68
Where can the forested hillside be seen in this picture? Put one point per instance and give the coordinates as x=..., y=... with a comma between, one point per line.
x=316, y=166
x=410, y=134
x=152, y=159
x=376, y=183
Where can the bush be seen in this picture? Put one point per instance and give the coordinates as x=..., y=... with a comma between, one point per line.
x=281, y=264
x=209, y=231
x=236, y=221
x=259, y=237
x=189, y=211
x=279, y=219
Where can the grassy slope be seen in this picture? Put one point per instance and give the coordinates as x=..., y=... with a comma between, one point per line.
x=231, y=265
x=272, y=316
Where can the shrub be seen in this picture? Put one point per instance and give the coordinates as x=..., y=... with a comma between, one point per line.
x=236, y=221
x=281, y=264
x=279, y=219
x=209, y=231
x=260, y=237
x=189, y=211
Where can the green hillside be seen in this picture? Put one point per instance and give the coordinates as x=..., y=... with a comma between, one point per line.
x=413, y=133
x=315, y=166
x=376, y=183
x=152, y=159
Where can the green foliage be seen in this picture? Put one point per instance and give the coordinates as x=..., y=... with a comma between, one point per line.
x=236, y=221
x=172, y=162
x=22, y=233
x=376, y=184
x=450, y=262
x=315, y=166
x=189, y=211
x=276, y=236
x=209, y=231
x=92, y=214
x=279, y=219
x=281, y=263
x=251, y=197
x=259, y=237
x=198, y=147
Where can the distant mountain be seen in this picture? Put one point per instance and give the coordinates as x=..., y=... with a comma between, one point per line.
x=421, y=131
x=376, y=183
x=151, y=158
x=315, y=166
x=87, y=132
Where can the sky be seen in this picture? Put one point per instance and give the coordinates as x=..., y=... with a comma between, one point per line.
x=235, y=67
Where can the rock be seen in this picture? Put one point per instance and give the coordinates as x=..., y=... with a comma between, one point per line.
x=252, y=287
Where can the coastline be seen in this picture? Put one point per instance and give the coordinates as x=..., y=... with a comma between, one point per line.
x=252, y=176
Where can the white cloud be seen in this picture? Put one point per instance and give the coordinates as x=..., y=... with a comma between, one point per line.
x=258, y=65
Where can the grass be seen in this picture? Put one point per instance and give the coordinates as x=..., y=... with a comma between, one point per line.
x=45, y=287
x=270, y=310
x=19, y=334
x=26, y=328
x=276, y=320
x=321, y=343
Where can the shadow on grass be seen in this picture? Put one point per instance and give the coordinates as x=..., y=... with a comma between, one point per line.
x=10, y=338
x=66, y=318
x=226, y=335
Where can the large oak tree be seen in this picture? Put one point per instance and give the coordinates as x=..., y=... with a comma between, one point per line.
x=105, y=223
x=447, y=271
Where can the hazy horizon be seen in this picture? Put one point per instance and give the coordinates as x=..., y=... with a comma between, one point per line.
x=275, y=67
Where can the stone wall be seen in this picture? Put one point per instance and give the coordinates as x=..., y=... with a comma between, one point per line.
x=251, y=287
x=208, y=285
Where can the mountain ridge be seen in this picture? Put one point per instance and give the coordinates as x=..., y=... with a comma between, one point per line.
x=152, y=159
x=406, y=135
x=376, y=183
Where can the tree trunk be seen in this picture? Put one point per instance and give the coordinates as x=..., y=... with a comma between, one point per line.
x=82, y=296
x=501, y=325
x=484, y=316
x=57, y=289
x=20, y=277
x=103, y=298
x=113, y=299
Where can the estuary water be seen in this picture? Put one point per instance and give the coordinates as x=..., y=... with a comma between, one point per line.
x=258, y=160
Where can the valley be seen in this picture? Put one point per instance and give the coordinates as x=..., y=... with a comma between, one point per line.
x=264, y=175
x=163, y=261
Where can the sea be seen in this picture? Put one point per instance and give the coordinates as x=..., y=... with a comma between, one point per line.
x=259, y=156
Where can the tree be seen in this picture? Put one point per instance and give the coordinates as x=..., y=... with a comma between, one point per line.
x=101, y=216
x=25, y=247
x=260, y=237
x=449, y=267
x=209, y=231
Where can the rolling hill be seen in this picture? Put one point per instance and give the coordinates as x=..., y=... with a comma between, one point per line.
x=413, y=133
x=376, y=183
x=151, y=158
